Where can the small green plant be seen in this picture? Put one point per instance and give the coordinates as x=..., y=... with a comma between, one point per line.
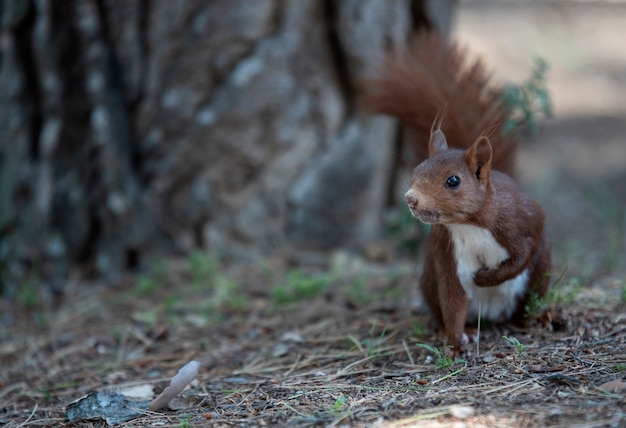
x=146, y=285
x=224, y=295
x=444, y=360
x=568, y=292
x=528, y=101
x=117, y=333
x=202, y=267
x=337, y=406
x=47, y=391
x=208, y=276
x=372, y=344
x=149, y=317
x=418, y=329
x=203, y=344
x=514, y=341
x=155, y=279
x=358, y=293
x=184, y=422
x=300, y=286
x=171, y=304
x=620, y=367
x=556, y=294
x=47, y=395
x=395, y=290
x=27, y=294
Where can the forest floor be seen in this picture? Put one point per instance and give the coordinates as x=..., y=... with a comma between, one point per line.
x=283, y=346
x=342, y=339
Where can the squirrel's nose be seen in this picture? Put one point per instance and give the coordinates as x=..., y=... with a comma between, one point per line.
x=411, y=200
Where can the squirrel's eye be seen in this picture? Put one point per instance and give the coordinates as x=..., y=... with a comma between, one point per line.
x=453, y=182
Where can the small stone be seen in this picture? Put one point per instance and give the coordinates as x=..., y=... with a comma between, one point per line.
x=291, y=336
x=462, y=412
x=280, y=350
x=489, y=359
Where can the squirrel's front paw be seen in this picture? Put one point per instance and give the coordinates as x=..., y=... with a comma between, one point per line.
x=483, y=277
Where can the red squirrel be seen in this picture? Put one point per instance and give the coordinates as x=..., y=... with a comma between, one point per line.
x=487, y=250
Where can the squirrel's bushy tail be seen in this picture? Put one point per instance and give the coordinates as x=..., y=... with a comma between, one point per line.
x=432, y=76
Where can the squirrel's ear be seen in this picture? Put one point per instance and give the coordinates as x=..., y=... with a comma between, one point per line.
x=478, y=158
x=437, y=142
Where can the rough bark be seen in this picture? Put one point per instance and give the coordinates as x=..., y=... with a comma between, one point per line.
x=137, y=127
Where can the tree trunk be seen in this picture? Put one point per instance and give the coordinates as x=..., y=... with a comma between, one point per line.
x=133, y=128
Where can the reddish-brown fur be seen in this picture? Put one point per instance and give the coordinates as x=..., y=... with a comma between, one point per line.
x=486, y=207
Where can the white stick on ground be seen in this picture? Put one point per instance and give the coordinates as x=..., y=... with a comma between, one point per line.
x=183, y=378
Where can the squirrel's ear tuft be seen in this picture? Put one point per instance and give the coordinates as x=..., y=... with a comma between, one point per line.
x=478, y=158
x=437, y=142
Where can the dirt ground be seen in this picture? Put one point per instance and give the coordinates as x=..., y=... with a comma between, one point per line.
x=347, y=343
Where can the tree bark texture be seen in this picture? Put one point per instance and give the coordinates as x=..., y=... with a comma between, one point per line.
x=136, y=127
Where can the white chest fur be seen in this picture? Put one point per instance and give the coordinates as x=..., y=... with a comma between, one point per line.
x=475, y=247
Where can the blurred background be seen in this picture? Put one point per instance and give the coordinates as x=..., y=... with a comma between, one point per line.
x=145, y=129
